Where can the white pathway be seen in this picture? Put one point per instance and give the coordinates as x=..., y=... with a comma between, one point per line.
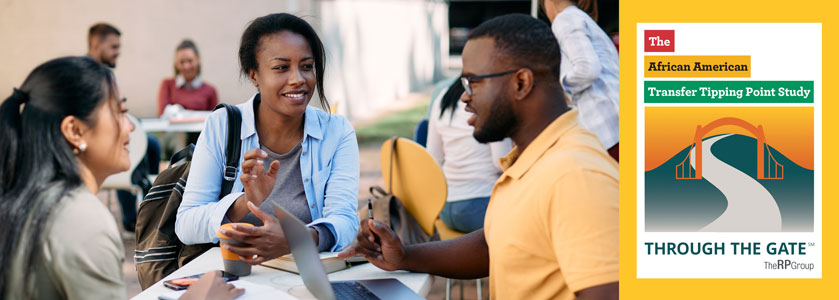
x=750, y=206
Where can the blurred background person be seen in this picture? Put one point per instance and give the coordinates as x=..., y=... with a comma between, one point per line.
x=187, y=89
x=470, y=168
x=103, y=46
x=64, y=131
x=589, y=67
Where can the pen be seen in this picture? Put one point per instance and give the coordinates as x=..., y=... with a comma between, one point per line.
x=370, y=216
x=369, y=208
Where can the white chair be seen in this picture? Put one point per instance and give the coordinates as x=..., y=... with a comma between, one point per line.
x=136, y=151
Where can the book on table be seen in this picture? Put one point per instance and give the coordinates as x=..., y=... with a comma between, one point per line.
x=331, y=263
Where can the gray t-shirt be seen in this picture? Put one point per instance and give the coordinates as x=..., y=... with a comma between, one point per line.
x=289, y=194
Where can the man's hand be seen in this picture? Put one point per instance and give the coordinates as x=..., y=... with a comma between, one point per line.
x=211, y=286
x=258, y=184
x=388, y=255
x=600, y=292
x=267, y=241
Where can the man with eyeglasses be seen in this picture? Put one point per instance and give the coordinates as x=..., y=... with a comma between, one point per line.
x=551, y=228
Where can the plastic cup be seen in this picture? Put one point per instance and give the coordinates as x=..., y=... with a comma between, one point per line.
x=232, y=264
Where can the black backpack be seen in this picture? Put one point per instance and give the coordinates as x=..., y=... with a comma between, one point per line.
x=159, y=251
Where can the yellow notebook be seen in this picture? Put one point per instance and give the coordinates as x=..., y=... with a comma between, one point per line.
x=331, y=263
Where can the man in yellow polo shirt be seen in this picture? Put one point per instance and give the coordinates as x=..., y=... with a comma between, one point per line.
x=551, y=228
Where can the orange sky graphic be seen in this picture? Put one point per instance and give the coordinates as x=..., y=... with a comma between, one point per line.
x=669, y=130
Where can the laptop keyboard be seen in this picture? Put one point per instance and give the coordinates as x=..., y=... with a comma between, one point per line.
x=351, y=290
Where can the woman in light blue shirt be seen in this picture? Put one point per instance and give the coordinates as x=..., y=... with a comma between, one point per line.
x=295, y=156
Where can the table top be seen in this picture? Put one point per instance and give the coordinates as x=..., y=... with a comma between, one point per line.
x=163, y=125
x=288, y=282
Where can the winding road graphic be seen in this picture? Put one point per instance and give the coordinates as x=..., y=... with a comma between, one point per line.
x=751, y=208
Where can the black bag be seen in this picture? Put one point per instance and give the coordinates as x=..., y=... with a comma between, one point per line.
x=159, y=251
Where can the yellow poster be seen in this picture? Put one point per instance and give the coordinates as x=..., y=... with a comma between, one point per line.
x=726, y=192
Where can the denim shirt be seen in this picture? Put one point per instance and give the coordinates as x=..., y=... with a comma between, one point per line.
x=329, y=165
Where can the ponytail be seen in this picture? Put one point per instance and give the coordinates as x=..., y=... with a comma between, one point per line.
x=37, y=165
x=451, y=98
x=10, y=128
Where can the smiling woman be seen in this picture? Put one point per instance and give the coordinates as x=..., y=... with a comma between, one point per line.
x=63, y=133
x=296, y=156
x=186, y=88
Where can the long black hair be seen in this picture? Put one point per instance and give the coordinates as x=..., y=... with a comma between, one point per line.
x=451, y=97
x=37, y=164
x=275, y=23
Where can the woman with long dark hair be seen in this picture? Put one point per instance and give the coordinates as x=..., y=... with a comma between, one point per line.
x=296, y=156
x=62, y=133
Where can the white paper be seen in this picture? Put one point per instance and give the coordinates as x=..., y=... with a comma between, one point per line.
x=252, y=291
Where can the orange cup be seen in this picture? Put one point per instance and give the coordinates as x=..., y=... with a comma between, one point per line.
x=232, y=264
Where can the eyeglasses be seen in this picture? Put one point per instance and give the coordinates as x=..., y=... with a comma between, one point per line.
x=466, y=81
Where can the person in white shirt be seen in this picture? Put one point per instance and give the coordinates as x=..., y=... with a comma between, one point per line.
x=588, y=70
x=470, y=168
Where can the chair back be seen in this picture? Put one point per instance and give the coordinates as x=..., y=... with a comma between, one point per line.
x=417, y=181
x=136, y=151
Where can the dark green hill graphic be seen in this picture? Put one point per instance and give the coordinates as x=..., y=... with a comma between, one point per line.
x=675, y=205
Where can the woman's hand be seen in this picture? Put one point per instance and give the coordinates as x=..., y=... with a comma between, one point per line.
x=267, y=241
x=258, y=184
x=211, y=286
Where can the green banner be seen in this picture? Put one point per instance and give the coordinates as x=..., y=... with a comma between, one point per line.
x=728, y=92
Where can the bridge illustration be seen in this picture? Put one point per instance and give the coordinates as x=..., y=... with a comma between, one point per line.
x=767, y=166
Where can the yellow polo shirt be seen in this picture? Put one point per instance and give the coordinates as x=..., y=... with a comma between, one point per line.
x=552, y=222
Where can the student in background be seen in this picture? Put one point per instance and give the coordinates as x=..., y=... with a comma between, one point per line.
x=103, y=42
x=64, y=131
x=470, y=168
x=589, y=67
x=551, y=228
x=294, y=155
x=187, y=89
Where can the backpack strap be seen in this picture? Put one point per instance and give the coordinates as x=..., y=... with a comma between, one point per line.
x=234, y=147
x=184, y=155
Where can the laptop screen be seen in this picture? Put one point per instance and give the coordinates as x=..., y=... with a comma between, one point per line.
x=305, y=255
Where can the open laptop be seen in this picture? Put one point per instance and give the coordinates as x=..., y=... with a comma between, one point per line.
x=314, y=276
